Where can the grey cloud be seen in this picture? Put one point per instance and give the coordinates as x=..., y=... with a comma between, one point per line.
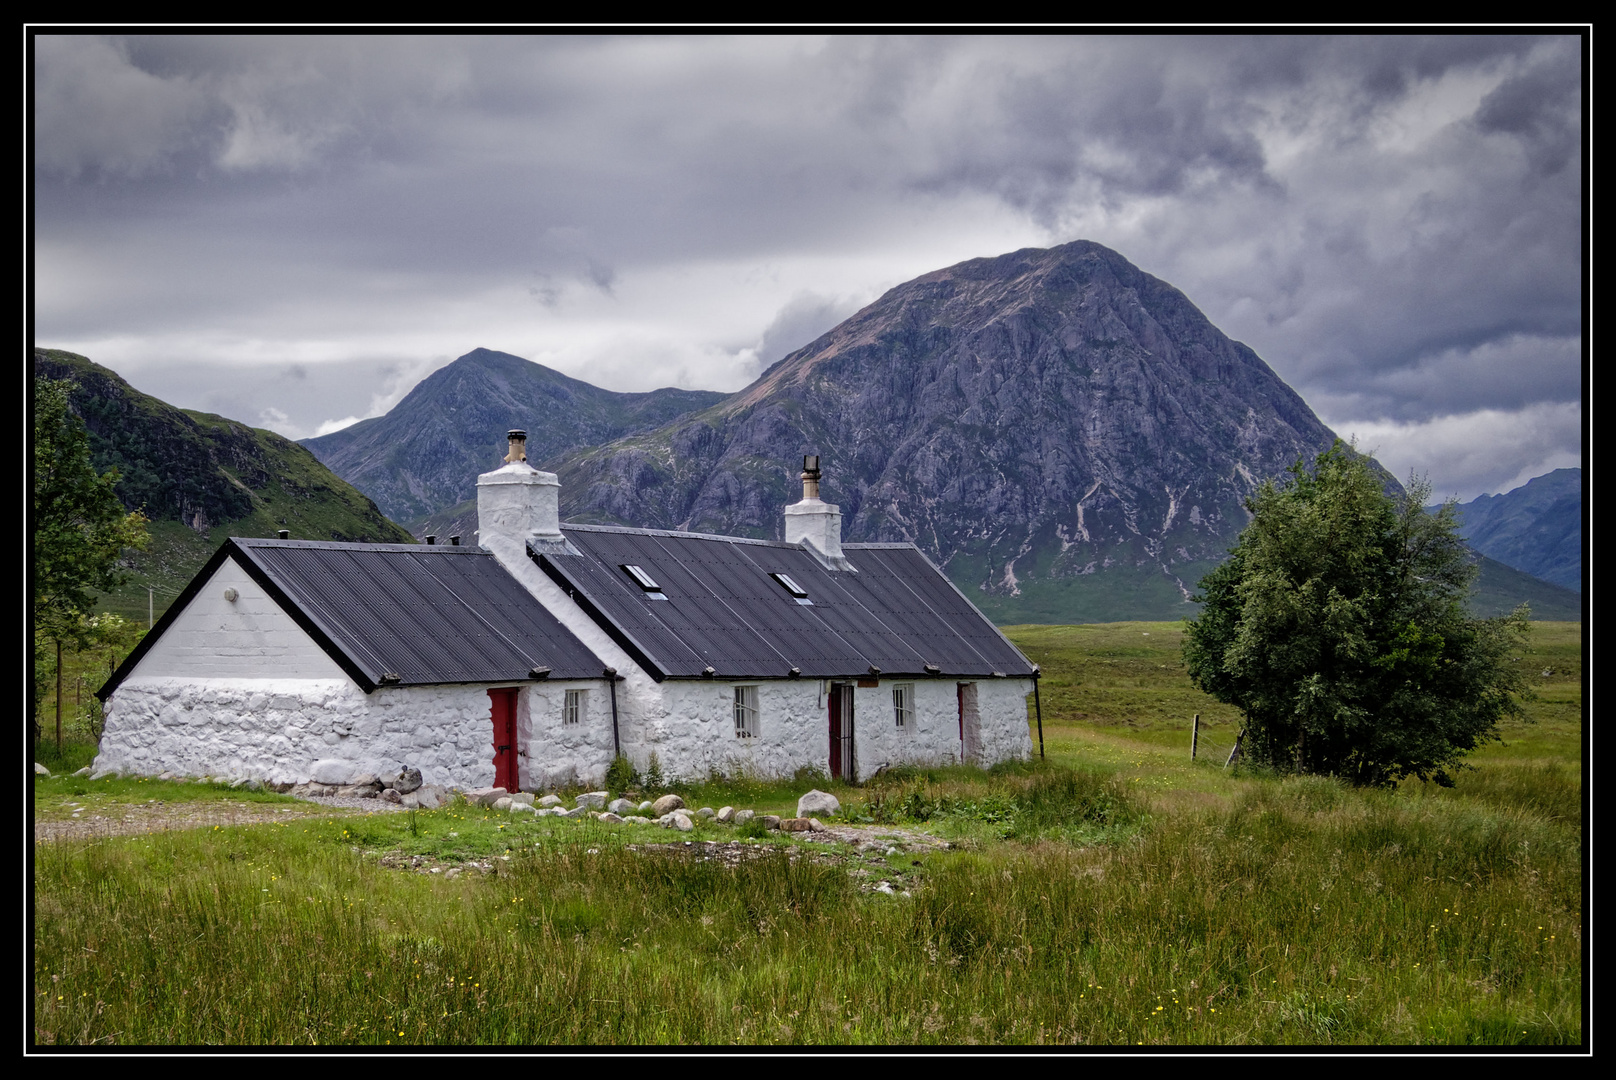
x=805, y=317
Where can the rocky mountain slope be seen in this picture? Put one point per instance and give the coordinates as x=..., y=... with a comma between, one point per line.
x=425, y=454
x=1536, y=528
x=1068, y=436
x=201, y=478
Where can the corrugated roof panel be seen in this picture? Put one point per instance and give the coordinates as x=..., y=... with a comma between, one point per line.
x=897, y=614
x=429, y=615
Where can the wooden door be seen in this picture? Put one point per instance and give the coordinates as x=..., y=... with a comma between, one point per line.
x=841, y=732
x=503, y=709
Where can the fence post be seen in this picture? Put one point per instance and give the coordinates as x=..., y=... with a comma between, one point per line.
x=1234, y=755
x=1195, y=734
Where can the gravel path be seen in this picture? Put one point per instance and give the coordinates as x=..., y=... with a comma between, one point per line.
x=125, y=819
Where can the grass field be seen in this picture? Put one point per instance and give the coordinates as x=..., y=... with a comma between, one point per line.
x=1117, y=893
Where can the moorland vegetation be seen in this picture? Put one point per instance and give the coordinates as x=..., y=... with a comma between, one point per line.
x=1115, y=893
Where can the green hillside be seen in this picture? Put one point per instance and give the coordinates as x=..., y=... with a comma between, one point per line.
x=201, y=478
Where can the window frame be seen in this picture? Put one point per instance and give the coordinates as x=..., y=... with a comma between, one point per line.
x=574, y=707
x=903, y=706
x=746, y=711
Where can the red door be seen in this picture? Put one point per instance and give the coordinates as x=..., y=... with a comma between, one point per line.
x=503, y=702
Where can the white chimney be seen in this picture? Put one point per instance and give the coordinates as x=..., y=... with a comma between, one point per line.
x=517, y=503
x=816, y=524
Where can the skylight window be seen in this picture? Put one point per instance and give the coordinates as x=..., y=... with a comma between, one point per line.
x=653, y=591
x=797, y=591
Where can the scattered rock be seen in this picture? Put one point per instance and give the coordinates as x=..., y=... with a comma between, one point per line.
x=453, y=873
x=409, y=780
x=549, y=801
x=726, y=814
x=485, y=796
x=620, y=806
x=523, y=808
x=667, y=805
x=816, y=825
x=102, y=774
x=770, y=821
x=523, y=797
x=706, y=812
x=818, y=802
x=635, y=819
x=795, y=824
x=884, y=887
x=594, y=800
x=389, y=795
x=682, y=822
x=644, y=806
x=503, y=803
x=609, y=818
x=83, y=772
x=40, y=770
x=741, y=816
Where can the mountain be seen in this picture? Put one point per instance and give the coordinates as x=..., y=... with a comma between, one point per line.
x=1500, y=589
x=425, y=454
x=201, y=478
x=1536, y=528
x=1068, y=436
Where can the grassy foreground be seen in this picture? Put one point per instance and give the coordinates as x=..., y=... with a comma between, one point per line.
x=1117, y=894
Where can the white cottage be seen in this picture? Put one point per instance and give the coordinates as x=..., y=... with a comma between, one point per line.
x=530, y=661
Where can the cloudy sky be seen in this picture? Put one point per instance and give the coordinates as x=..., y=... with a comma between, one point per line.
x=294, y=231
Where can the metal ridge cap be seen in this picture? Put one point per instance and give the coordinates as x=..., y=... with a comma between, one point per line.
x=884, y=545
x=679, y=534
x=345, y=545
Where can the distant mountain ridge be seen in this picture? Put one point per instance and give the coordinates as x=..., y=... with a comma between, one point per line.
x=1536, y=528
x=1068, y=436
x=426, y=453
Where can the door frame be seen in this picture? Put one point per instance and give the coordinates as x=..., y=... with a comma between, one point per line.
x=840, y=715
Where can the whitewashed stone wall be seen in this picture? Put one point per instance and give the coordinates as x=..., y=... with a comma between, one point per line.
x=554, y=754
x=693, y=731
x=285, y=730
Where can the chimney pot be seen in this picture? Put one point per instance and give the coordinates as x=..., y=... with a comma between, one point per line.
x=431, y=538
x=454, y=541
x=284, y=534
x=518, y=451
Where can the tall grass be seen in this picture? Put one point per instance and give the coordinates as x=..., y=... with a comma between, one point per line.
x=1307, y=913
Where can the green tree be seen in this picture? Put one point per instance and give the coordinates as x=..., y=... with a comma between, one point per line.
x=80, y=531
x=1337, y=625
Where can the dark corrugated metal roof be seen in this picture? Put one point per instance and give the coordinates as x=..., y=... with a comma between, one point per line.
x=427, y=614
x=723, y=609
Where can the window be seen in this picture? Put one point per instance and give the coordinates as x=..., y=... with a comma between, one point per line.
x=572, y=712
x=746, y=712
x=903, y=705
x=798, y=593
x=647, y=584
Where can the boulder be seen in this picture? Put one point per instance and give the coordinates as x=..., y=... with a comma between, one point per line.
x=576, y=812
x=682, y=822
x=594, y=800
x=390, y=795
x=770, y=821
x=726, y=814
x=503, y=803
x=741, y=816
x=620, y=806
x=815, y=825
x=609, y=818
x=523, y=808
x=635, y=819
x=40, y=770
x=102, y=774
x=332, y=771
x=795, y=824
x=817, y=802
x=523, y=798
x=549, y=801
x=409, y=780
x=667, y=805
x=644, y=807
x=83, y=772
x=485, y=796
x=706, y=812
